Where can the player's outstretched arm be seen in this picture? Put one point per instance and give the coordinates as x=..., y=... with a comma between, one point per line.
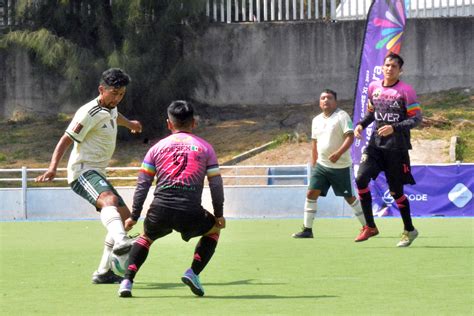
x=58, y=154
x=133, y=125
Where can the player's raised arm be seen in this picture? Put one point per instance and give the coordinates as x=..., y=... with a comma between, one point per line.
x=61, y=147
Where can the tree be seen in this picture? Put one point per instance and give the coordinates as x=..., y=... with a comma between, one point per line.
x=78, y=39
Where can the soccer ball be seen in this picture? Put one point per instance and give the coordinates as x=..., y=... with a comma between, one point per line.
x=119, y=263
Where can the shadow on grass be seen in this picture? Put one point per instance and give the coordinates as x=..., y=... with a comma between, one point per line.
x=267, y=296
x=144, y=285
x=241, y=297
x=148, y=286
x=419, y=247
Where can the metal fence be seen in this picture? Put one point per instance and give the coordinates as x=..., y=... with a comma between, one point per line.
x=241, y=11
x=237, y=11
x=255, y=175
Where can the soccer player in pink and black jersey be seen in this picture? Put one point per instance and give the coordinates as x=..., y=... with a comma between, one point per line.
x=180, y=163
x=394, y=107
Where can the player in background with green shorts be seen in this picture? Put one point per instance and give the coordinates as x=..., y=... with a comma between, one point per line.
x=93, y=130
x=332, y=136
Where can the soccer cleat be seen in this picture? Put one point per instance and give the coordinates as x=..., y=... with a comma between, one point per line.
x=192, y=280
x=124, y=246
x=305, y=233
x=108, y=277
x=366, y=232
x=407, y=238
x=125, y=289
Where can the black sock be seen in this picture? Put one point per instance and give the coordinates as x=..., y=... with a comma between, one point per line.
x=138, y=255
x=204, y=251
x=366, y=202
x=404, y=207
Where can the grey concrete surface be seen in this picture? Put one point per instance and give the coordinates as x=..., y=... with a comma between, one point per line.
x=287, y=63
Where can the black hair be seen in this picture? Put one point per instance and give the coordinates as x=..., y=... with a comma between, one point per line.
x=330, y=92
x=181, y=113
x=394, y=56
x=115, y=77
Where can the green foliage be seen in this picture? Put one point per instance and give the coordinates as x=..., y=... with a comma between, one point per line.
x=79, y=39
x=63, y=117
x=59, y=54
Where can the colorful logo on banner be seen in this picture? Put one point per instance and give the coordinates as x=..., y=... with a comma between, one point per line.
x=383, y=33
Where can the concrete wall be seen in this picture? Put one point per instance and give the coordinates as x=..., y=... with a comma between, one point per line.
x=240, y=202
x=273, y=63
x=281, y=63
x=26, y=87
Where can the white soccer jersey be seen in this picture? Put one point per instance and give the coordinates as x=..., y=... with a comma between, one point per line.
x=329, y=132
x=94, y=131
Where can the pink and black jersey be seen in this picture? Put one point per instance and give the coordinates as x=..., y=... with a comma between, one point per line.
x=180, y=163
x=397, y=106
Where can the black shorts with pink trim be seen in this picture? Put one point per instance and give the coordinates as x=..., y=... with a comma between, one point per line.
x=395, y=164
x=161, y=221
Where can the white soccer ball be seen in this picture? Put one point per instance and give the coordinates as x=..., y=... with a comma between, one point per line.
x=119, y=263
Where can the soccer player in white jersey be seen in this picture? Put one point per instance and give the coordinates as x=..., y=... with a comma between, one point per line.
x=93, y=130
x=332, y=136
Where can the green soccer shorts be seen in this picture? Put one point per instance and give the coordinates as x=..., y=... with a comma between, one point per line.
x=91, y=184
x=322, y=178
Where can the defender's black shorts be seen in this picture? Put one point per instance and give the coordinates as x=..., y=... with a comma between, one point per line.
x=395, y=164
x=160, y=221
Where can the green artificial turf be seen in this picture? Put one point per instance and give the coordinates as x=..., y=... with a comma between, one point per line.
x=258, y=269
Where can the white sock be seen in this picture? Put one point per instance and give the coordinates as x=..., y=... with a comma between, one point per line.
x=111, y=219
x=310, y=207
x=104, y=264
x=357, y=208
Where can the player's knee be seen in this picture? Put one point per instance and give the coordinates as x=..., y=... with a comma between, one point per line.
x=214, y=236
x=396, y=194
x=313, y=194
x=350, y=199
x=107, y=198
x=362, y=181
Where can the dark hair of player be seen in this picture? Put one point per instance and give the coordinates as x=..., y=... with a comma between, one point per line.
x=330, y=92
x=395, y=57
x=181, y=113
x=115, y=78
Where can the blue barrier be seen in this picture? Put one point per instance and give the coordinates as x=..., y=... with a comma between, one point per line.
x=285, y=176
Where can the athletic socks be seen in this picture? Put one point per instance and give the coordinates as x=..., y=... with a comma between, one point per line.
x=404, y=207
x=104, y=264
x=365, y=198
x=358, y=212
x=138, y=255
x=204, y=251
x=111, y=219
x=310, y=208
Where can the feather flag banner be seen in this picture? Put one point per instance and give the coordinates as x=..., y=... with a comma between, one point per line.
x=383, y=34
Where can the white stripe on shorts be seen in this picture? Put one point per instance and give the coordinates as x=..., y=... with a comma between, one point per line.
x=88, y=187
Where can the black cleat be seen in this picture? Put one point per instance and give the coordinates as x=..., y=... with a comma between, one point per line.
x=108, y=277
x=305, y=233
